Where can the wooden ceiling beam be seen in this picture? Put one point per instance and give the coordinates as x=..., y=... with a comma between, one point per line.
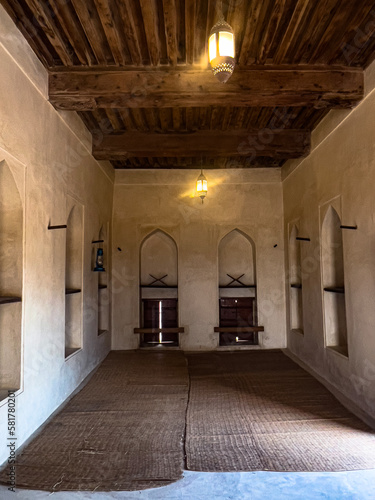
x=151, y=23
x=189, y=30
x=277, y=143
x=270, y=86
x=170, y=23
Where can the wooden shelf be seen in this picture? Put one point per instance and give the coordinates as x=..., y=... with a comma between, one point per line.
x=158, y=286
x=70, y=291
x=159, y=330
x=102, y=287
x=335, y=289
x=340, y=349
x=10, y=300
x=71, y=350
x=237, y=286
x=296, y=285
x=238, y=329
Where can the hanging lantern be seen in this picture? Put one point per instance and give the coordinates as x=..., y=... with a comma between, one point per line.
x=202, y=186
x=99, y=264
x=221, y=50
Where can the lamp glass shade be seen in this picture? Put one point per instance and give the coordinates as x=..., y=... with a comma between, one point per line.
x=212, y=47
x=221, y=50
x=226, y=44
x=202, y=186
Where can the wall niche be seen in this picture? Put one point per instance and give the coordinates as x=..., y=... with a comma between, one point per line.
x=237, y=290
x=333, y=278
x=11, y=277
x=159, y=291
x=103, y=290
x=73, y=276
x=295, y=282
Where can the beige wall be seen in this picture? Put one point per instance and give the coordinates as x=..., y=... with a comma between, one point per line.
x=48, y=155
x=249, y=200
x=340, y=171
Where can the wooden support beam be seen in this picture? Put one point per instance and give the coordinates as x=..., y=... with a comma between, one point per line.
x=276, y=143
x=238, y=329
x=170, y=23
x=160, y=330
x=319, y=87
x=151, y=23
x=189, y=30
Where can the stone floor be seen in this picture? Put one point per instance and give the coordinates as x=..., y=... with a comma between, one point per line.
x=357, y=485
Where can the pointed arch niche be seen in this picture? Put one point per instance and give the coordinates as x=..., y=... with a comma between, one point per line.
x=11, y=273
x=332, y=252
x=159, y=291
x=73, y=277
x=237, y=290
x=295, y=281
x=103, y=291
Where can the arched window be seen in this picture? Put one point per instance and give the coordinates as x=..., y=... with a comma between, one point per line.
x=73, y=277
x=11, y=272
x=159, y=290
x=237, y=290
x=295, y=282
x=334, y=282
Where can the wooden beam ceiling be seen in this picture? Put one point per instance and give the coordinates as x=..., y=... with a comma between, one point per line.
x=137, y=73
x=276, y=143
x=319, y=87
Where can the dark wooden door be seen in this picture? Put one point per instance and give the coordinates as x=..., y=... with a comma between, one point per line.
x=160, y=313
x=237, y=312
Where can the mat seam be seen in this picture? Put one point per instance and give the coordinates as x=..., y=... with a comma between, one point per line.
x=186, y=415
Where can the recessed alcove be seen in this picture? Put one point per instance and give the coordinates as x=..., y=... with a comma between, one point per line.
x=73, y=276
x=237, y=290
x=103, y=290
x=334, y=282
x=295, y=282
x=159, y=291
x=11, y=273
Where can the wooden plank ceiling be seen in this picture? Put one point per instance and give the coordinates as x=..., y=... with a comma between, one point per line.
x=137, y=73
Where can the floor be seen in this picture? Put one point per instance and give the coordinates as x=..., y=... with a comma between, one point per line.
x=358, y=485
x=266, y=484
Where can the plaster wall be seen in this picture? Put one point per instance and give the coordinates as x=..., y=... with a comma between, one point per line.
x=48, y=155
x=249, y=200
x=340, y=171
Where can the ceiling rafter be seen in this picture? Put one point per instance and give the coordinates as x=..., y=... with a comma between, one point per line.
x=142, y=66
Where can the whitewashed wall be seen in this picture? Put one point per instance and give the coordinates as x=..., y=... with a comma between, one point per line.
x=49, y=156
x=249, y=200
x=339, y=171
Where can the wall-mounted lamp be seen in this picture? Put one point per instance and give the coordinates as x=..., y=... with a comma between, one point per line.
x=202, y=186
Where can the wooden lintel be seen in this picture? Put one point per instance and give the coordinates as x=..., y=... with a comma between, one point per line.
x=238, y=329
x=159, y=330
x=320, y=87
x=273, y=143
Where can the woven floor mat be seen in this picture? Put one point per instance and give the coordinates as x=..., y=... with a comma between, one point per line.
x=260, y=411
x=123, y=431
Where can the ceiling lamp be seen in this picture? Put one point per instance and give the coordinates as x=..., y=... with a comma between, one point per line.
x=202, y=186
x=221, y=50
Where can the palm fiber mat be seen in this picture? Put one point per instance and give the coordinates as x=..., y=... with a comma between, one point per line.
x=247, y=411
x=260, y=411
x=123, y=431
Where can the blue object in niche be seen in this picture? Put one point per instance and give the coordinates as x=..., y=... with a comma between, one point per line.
x=99, y=261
